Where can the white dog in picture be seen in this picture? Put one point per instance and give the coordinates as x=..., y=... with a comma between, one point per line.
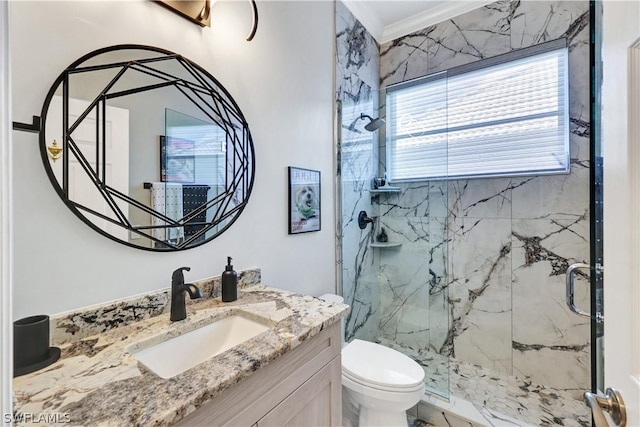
x=306, y=202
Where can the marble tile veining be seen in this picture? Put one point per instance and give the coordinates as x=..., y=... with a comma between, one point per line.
x=508, y=240
x=357, y=86
x=528, y=403
x=484, y=397
x=480, y=289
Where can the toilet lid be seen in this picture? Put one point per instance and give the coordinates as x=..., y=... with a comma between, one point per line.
x=372, y=363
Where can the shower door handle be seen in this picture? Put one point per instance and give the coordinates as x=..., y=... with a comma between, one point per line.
x=612, y=403
x=570, y=289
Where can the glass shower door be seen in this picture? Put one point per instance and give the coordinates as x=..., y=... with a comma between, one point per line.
x=596, y=186
x=397, y=287
x=413, y=264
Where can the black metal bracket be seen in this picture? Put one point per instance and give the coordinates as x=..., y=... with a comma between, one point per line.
x=25, y=127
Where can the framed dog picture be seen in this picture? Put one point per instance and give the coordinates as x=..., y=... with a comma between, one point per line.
x=304, y=200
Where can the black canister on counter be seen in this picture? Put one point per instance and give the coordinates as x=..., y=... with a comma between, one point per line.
x=31, y=350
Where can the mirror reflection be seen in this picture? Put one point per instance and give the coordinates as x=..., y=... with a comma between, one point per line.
x=155, y=152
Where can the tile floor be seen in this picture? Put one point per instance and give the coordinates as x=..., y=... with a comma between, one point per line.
x=522, y=400
x=480, y=396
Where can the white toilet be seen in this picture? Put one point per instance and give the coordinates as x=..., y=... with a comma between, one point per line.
x=379, y=384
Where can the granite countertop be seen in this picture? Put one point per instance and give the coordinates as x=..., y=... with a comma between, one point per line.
x=98, y=382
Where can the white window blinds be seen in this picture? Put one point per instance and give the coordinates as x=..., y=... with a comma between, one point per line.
x=509, y=117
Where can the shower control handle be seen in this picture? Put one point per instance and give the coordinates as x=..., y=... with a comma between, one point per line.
x=363, y=220
x=570, y=289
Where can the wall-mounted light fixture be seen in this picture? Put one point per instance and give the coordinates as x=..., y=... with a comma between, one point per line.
x=199, y=12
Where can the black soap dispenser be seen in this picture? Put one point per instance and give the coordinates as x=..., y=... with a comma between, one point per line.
x=229, y=283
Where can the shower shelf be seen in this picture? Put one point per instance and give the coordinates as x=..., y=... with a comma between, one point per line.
x=388, y=190
x=385, y=245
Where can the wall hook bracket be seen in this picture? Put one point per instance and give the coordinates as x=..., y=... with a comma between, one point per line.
x=34, y=127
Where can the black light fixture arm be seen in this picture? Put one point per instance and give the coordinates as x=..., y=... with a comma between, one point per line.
x=254, y=25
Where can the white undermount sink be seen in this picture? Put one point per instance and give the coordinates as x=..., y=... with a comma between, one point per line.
x=174, y=356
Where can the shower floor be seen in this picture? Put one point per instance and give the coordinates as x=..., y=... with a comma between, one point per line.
x=500, y=399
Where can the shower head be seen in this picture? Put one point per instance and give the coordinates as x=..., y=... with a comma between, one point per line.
x=374, y=124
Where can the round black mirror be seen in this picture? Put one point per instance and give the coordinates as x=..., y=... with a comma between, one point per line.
x=147, y=148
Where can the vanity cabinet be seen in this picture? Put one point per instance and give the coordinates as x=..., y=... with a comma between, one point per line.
x=312, y=404
x=301, y=388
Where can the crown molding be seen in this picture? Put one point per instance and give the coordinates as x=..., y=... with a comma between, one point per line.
x=427, y=18
x=369, y=20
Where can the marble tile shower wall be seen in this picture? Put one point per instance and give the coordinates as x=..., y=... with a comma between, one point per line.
x=509, y=240
x=357, y=86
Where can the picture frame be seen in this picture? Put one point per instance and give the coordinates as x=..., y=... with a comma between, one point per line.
x=177, y=160
x=304, y=200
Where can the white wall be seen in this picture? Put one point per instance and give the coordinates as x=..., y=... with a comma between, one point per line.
x=282, y=81
x=6, y=329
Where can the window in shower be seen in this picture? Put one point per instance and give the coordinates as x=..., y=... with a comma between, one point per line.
x=503, y=116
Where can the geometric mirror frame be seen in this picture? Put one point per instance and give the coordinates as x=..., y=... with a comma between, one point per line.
x=102, y=124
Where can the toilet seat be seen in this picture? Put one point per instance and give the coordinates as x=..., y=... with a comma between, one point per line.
x=376, y=366
x=382, y=395
x=361, y=385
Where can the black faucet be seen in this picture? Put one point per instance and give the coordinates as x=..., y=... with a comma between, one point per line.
x=178, y=288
